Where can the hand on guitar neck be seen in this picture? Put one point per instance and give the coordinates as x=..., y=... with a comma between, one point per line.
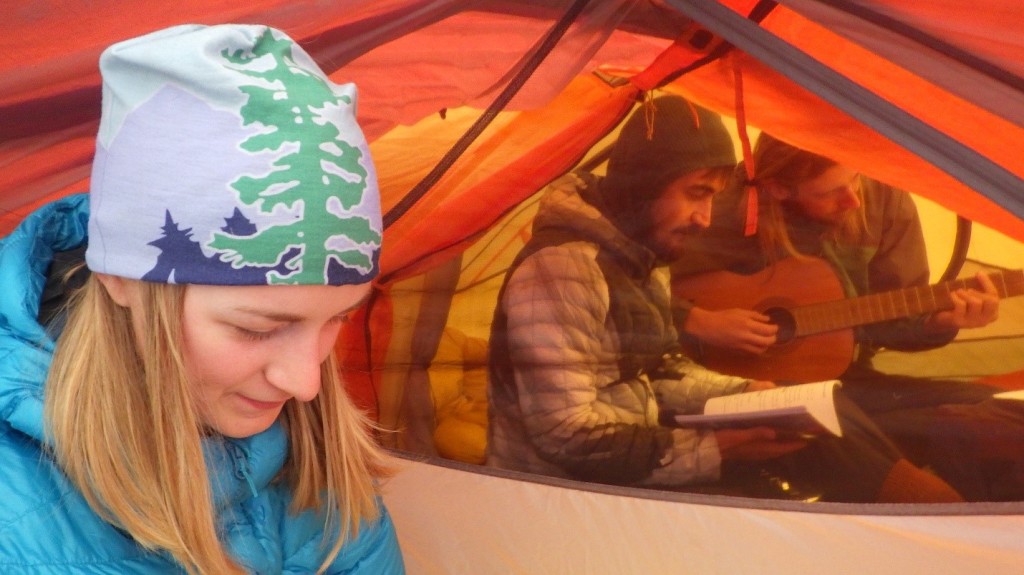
x=971, y=307
x=793, y=321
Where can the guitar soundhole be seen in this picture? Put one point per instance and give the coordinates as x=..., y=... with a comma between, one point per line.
x=787, y=325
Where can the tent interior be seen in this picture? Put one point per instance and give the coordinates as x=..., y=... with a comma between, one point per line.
x=472, y=108
x=438, y=406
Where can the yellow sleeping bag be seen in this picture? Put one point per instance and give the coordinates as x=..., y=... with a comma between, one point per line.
x=458, y=385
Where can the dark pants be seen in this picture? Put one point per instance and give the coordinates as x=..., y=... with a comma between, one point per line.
x=876, y=392
x=954, y=428
x=850, y=468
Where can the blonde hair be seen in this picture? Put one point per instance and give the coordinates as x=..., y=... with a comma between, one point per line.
x=778, y=163
x=125, y=429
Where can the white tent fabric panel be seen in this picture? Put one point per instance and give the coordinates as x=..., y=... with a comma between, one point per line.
x=485, y=524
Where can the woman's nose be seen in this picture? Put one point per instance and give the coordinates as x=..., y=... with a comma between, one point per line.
x=296, y=370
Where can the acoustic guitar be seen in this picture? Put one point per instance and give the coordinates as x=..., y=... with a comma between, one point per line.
x=805, y=298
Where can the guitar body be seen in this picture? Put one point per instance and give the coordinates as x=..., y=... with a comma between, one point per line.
x=789, y=284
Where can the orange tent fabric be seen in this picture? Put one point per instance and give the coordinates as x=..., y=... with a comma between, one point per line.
x=414, y=59
x=426, y=70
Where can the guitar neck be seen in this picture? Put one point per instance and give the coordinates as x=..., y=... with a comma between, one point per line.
x=829, y=316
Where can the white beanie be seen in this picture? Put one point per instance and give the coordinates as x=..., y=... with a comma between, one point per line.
x=226, y=156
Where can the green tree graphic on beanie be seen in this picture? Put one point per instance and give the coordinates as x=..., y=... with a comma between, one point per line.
x=318, y=171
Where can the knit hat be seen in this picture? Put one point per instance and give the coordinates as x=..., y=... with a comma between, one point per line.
x=663, y=140
x=226, y=156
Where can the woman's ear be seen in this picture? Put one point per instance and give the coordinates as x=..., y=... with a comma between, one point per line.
x=117, y=288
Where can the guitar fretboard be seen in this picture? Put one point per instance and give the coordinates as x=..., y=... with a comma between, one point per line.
x=829, y=316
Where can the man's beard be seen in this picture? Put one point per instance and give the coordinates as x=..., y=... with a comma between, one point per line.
x=668, y=253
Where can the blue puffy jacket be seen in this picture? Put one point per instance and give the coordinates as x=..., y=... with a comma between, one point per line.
x=45, y=524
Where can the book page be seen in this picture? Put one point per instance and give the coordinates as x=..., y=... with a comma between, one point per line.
x=809, y=394
x=788, y=407
x=1017, y=395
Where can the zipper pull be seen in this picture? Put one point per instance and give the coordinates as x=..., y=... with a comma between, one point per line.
x=241, y=464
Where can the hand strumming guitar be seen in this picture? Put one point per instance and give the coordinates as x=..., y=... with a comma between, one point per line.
x=742, y=329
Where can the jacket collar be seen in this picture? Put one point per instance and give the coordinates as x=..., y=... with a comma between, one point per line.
x=25, y=347
x=573, y=203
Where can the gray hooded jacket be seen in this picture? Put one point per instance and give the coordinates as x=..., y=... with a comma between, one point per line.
x=584, y=357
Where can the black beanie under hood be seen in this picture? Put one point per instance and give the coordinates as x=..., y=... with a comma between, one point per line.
x=683, y=138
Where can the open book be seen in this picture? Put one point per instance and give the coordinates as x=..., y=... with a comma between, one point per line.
x=807, y=408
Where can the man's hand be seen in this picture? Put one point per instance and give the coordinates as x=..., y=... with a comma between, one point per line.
x=754, y=444
x=759, y=385
x=971, y=308
x=741, y=329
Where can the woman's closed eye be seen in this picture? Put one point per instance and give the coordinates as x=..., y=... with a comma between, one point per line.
x=255, y=334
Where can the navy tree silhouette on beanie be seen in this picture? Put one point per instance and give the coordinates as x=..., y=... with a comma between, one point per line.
x=181, y=256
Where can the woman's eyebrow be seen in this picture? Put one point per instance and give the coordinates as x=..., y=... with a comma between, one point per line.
x=271, y=315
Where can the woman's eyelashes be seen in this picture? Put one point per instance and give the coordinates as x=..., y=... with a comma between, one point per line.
x=261, y=334
x=255, y=334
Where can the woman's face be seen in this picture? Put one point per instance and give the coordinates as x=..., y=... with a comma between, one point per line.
x=249, y=349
